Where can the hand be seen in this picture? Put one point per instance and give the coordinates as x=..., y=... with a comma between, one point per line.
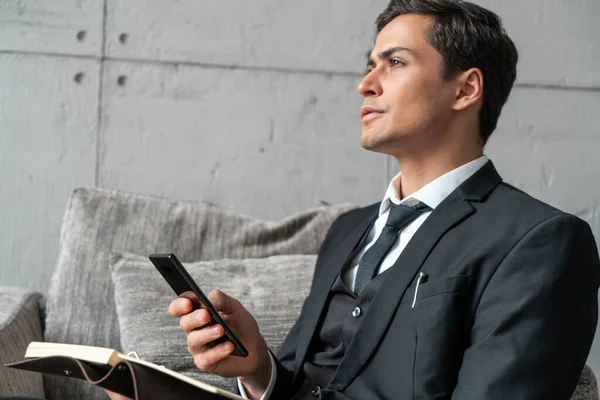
x=254, y=370
x=116, y=396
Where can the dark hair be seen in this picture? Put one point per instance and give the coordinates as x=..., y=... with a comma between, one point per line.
x=467, y=36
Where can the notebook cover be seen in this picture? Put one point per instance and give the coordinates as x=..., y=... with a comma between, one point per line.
x=126, y=378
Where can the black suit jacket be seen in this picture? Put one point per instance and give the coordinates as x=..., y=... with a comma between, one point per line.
x=509, y=309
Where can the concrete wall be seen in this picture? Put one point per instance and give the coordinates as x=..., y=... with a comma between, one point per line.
x=252, y=105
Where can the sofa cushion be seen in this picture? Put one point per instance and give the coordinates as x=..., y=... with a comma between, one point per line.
x=80, y=301
x=272, y=289
x=20, y=323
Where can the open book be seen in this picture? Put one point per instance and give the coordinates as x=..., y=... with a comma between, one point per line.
x=117, y=372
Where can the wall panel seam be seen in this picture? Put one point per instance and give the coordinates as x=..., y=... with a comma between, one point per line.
x=100, y=96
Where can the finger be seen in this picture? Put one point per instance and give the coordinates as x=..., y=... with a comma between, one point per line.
x=192, y=321
x=116, y=396
x=208, y=360
x=180, y=307
x=198, y=341
x=224, y=303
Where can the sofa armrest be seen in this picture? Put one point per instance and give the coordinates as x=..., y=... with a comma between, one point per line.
x=587, y=388
x=21, y=316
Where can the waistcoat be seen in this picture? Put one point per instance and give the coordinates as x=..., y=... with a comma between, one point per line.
x=343, y=315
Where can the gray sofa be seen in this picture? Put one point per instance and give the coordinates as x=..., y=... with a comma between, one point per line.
x=104, y=292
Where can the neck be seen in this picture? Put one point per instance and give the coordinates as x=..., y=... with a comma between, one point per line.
x=420, y=168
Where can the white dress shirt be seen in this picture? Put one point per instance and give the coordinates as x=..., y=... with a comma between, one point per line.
x=431, y=194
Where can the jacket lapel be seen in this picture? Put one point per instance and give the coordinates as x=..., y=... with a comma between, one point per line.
x=454, y=209
x=335, y=259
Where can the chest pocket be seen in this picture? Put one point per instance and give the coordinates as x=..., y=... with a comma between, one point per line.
x=437, y=287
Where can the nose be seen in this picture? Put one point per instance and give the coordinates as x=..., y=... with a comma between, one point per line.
x=369, y=86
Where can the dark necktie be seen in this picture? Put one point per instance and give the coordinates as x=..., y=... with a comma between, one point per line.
x=399, y=217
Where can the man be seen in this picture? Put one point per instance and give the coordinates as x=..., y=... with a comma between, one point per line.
x=456, y=285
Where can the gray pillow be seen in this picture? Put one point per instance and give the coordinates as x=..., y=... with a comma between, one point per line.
x=272, y=289
x=80, y=301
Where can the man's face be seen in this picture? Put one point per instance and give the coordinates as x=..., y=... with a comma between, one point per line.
x=406, y=98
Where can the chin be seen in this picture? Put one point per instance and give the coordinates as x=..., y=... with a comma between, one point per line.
x=382, y=142
x=373, y=141
x=365, y=139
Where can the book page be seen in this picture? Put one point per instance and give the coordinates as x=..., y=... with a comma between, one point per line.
x=100, y=355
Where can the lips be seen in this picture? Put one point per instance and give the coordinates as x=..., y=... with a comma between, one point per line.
x=367, y=113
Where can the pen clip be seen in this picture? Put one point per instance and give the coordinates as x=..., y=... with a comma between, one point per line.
x=422, y=277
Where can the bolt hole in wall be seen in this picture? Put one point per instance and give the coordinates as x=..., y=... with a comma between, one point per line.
x=79, y=77
x=121, y=80
x=81, y=36
x=123, y=38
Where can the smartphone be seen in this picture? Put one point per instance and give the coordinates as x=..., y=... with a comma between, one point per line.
x=184, y=286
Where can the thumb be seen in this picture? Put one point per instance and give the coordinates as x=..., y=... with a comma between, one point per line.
x=223, y=302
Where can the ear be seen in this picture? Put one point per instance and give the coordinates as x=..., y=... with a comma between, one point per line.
x=469, y=90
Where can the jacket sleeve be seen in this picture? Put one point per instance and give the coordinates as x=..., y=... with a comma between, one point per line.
x=535, y=320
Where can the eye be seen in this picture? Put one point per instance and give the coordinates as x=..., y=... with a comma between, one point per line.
x=394, y=62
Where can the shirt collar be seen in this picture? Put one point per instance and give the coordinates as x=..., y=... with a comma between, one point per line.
x=435, y=191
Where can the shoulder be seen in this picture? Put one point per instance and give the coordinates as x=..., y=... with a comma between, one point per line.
x=525, y=222
x=509, y=202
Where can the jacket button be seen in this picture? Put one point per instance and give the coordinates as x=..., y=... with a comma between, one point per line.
x=316, y=392
x=356, y=312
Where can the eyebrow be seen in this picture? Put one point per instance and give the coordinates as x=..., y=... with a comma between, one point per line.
x=388, y=53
